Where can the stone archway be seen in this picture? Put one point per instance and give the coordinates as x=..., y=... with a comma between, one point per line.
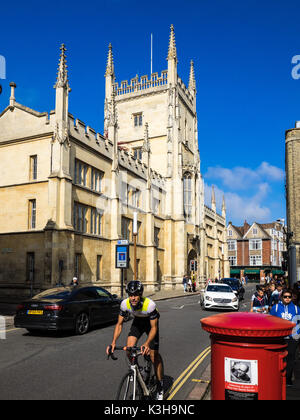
x=191, y=256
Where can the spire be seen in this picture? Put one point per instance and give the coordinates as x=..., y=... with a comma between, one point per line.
x=62, y=90
x=146, y=143
x=110, y=71
x=192, y=81
x=213, y=199
x=172, y=59
x=172, y=46
x=62, y=74
x=224, y=207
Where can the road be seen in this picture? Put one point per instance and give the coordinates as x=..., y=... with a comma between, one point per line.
x=69, y=367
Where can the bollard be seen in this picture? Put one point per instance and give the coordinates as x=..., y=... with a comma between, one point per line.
x=247, y=356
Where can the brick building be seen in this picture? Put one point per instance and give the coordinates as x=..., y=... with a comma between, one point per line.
x=255, y=250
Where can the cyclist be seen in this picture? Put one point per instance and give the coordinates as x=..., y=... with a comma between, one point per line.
x=145, y=320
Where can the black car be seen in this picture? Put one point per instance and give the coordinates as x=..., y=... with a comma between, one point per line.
x=236, y=286
x=68, y=308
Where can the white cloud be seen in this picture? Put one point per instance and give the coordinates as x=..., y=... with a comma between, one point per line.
x=239, y=208
x=240, y=178
x=270, y=172
x=250, y=194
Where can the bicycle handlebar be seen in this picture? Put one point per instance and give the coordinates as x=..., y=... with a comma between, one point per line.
x=130, y=349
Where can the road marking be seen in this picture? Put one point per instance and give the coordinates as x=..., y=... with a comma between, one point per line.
x=180, y=381
x=201, y=381
x=12, y=329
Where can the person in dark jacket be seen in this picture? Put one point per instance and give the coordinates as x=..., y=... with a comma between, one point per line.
x=286, y=309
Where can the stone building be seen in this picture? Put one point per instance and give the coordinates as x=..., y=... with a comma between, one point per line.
x=69, y=194
x=216, y=263
x=292, y=169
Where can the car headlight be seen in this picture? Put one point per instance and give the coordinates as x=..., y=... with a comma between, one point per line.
x=234, y=299
x=208, y=298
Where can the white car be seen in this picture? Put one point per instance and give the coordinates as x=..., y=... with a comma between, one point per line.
x=217, y=295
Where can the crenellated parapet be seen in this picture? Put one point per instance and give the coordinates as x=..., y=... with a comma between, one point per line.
x=140, y=85
x=88, y=136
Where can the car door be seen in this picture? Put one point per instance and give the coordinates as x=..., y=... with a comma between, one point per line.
x=85, y=300
x=108, y=306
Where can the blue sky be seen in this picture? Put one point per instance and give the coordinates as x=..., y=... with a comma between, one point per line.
x=246, y=95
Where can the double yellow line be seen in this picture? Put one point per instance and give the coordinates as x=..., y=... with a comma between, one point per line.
x=180, y=381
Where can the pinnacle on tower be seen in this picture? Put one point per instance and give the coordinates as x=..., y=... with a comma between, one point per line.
x=213, y=199
x=192, y=81
x=172, y=45
x=62, y=74
x=224, y=207
x=110, y=62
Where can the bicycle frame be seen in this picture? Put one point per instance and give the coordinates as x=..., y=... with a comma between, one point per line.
x=137, y=376
x=135, y=369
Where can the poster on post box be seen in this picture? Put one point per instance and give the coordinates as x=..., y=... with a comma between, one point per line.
x=241, y=379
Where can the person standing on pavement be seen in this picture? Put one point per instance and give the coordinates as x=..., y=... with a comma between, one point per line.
x=259, y=302
x=184, y=282
x=286, y=309
x=190, y=284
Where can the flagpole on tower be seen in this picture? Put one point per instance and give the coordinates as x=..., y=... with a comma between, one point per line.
x=151, y=54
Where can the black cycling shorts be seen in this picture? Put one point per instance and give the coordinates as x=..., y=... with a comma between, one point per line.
x=140, y=326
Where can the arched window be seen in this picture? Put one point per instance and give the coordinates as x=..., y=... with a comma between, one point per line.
x=187, y=196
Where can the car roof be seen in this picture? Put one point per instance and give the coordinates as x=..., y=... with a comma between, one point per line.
x=230, y=278
x=218, y=284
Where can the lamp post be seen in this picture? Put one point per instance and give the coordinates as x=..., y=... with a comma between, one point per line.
x=134, y=231
x=291, y=254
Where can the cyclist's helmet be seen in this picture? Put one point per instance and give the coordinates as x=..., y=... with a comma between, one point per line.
x=135, y=287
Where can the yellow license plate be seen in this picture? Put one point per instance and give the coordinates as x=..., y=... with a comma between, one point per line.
x=35, y=312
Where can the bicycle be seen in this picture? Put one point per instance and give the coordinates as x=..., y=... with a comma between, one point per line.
x=138, y=383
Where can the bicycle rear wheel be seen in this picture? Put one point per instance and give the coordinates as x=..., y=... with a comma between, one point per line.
x=126, y=388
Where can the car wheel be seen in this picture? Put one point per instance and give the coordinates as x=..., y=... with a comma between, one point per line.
x=82, y=324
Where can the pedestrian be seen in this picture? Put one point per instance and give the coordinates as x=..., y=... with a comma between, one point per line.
x=259, y=302
x=190, y=284
x=271, y=290
x=286, y=309
x=74, y=282
x=275, y=297
x=194, y=284
x=184, y=282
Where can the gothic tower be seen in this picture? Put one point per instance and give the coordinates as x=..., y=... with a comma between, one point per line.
x=164, y=108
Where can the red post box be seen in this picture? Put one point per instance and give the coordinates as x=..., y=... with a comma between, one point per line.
x=247, y=356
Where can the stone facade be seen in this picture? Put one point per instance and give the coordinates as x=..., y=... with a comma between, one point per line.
x=71, y=193
x=292, y=168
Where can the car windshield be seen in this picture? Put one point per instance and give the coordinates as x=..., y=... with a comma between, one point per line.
x=231, y=282
x=58, y=293
x=218, y=288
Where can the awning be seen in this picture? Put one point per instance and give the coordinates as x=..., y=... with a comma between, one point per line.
x=280, y=272
x=235, y=271
x=252, y=271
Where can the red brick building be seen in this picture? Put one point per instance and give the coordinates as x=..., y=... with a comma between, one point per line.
x=256, y=250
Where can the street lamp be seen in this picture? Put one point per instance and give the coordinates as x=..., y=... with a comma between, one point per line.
x=135, y=223
x=291, y=254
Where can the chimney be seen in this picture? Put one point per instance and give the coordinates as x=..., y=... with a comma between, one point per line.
x=12, y=99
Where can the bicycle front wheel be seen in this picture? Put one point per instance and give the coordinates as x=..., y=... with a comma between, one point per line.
x=126, y=389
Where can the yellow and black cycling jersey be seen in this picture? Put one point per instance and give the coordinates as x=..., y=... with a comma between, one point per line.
x=145, y=309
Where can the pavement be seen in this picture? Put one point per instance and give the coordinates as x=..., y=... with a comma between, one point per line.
x=201, y=390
